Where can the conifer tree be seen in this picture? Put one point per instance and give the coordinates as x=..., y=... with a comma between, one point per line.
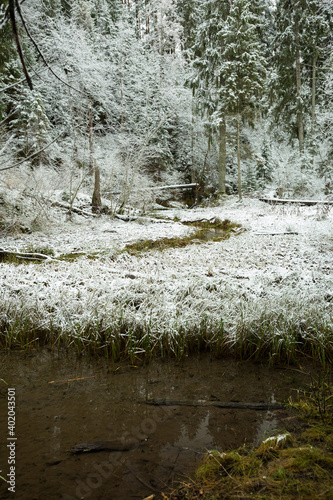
x=303, y=32
x=317, y=28
x=208, y=77
x=7, y=50
x=229, y=69
x=189, y=14
x=243, y=69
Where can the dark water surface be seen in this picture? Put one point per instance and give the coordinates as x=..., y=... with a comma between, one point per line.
x=52, y=418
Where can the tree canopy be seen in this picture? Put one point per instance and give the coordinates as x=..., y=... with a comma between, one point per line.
x=200, y=90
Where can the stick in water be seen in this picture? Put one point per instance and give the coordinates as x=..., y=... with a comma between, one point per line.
x=70, y=379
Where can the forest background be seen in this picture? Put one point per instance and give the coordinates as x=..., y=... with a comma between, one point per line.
x=125, y=95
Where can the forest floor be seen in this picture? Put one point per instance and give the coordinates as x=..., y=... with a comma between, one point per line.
x=151, y=284
x=270, y=277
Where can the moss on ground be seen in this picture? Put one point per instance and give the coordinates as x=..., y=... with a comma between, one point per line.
x=215, y=230
x=295, y=464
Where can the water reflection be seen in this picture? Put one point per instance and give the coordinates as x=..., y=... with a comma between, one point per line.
x=195, y=438
x=52, y=418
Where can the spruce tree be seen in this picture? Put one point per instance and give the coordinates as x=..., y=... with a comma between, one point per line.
x=316, y=27
x=301, y=44
x=242, y=68
x=189, y=14
x=228, y=69
x=208, y=78
x=7, y=48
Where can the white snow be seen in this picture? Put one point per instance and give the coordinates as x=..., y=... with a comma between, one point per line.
x=243, y=277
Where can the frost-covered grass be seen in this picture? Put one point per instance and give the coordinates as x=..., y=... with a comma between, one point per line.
x=264, y=292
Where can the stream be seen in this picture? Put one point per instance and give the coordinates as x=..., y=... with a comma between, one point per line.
x=106, y=401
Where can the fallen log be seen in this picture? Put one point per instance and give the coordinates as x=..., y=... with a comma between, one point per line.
x=285, y=201
x=217, y=404
x=8, y=255
x=159, y=188
x=115, y=445
x=279, y=233
x=73, y=209
x=175, y=186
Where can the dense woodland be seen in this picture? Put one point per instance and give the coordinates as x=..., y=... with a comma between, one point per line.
x=102, y=104
x=235, y=95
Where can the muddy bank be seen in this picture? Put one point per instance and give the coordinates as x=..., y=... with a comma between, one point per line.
x=108, y=403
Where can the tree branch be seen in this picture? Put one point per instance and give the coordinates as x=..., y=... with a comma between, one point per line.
x=11, y=10
x=33, y=155
x=13, y=85
x=40, y=53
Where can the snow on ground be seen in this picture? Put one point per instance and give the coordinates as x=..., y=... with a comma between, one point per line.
x=282, y=262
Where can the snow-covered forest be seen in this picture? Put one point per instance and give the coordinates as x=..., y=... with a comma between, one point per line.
x=169, y=91
x=102, y=102
x=166, y=249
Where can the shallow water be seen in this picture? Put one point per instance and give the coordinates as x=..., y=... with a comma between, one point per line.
x=53, y=417
x=212, y=233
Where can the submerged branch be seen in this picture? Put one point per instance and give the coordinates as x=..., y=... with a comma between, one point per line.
x=218, y=404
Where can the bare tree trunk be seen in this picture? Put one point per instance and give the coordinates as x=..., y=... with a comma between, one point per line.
x=238, y=160
x=147, y=18
x=122, y=102
x=91, y=148
x=192, y=146
x=137, y=19
x=313, y=108
x=207, y=153
x=298, y=85
x=11, y=11
x=314, y=83
x=222, y=156
x=96, y=199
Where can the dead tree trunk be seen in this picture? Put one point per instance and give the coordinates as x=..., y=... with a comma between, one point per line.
x=96, y=199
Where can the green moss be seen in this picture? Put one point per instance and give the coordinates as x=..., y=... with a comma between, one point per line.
x=316, y=433
x=284, y=467
x=309, y=459
x=213, y=231
x=72, y=256
x=216, y=223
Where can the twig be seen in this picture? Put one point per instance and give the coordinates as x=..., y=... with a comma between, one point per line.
x=219, y=404
x=284, y=201
x=8, y=88
x=11, y=10
x=141, y=480
x=70, y=379
x=277, y=234
x=33, y=155
x=159, y=188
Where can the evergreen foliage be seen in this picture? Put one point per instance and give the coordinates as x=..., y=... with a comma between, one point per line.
x=134, y=64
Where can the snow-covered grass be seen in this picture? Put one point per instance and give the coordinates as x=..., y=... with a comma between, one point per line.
x=265, y=291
